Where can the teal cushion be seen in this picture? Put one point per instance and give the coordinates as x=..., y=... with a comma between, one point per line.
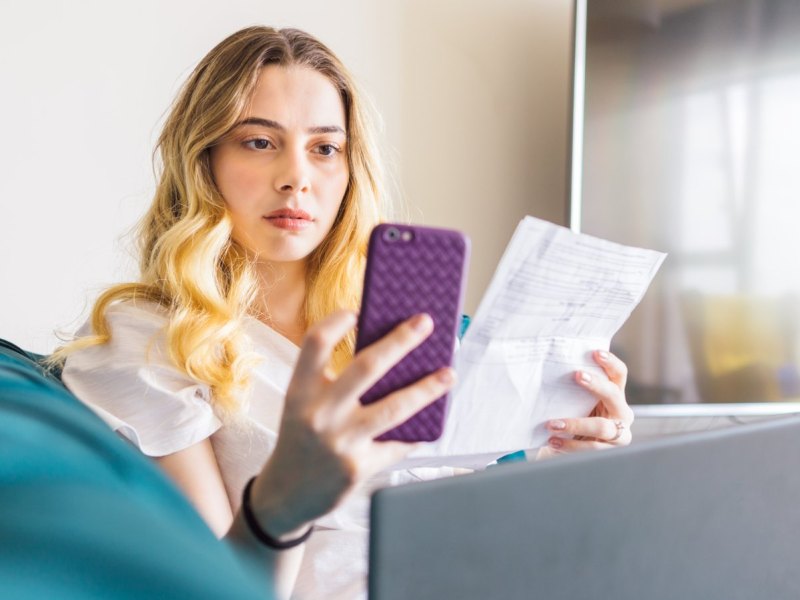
x=84, y=515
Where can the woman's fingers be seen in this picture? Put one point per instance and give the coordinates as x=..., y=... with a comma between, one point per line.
x=396, y=408
x=598, y=428
x=384, y=454
x=318, y=345
x=562, y=445
x=609, y=393
x=616, y=370
x=610, y=421
x=373, y=362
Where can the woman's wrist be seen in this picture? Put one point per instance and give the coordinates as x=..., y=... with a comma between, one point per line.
x=275, y=508
x=269, y=531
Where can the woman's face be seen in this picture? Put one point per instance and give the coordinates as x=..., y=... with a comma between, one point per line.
x=283, y=169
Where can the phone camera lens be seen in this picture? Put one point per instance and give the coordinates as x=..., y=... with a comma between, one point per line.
x=392, y=234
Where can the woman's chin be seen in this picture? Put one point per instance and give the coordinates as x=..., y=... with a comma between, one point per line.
x=284, y=254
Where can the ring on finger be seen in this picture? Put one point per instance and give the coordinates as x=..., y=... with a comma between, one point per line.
x=620, y=428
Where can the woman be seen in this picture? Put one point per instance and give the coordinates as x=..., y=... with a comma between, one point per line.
x=255, y=240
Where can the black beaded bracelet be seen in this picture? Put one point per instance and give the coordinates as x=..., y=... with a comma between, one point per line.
x=263, y=536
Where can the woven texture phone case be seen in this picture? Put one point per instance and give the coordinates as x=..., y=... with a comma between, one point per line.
x=405, y=277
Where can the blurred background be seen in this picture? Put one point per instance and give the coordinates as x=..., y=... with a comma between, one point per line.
x=692, y=146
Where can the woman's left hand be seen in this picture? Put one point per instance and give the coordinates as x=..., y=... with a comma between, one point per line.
x=608, y=425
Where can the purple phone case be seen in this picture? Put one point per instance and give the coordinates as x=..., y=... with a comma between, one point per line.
x=404, y=277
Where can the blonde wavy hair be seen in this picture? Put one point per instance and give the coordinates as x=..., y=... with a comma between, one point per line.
x=189, y=263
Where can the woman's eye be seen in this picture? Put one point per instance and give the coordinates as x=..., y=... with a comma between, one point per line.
x=327, y=149
x=258, y=144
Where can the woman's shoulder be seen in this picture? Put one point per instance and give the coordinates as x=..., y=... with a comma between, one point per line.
x=144, y=313
x=136, y=329
x=144, y=316
x=131, y=381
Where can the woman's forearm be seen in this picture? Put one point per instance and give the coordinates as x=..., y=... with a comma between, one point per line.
x=282, y=566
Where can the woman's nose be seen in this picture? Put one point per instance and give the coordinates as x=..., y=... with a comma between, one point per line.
x=293, y=176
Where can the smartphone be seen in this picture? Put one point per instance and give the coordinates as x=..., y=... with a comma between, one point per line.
x=412, y=270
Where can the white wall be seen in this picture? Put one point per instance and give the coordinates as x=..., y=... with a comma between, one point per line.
x=474, y=97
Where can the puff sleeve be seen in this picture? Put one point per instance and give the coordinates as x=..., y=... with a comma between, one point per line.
x=132, y=385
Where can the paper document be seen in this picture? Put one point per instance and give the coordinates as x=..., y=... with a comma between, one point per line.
x=555, y=297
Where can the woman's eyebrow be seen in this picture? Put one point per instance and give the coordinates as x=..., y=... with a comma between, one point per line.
x=270, y=124
x=326, y=129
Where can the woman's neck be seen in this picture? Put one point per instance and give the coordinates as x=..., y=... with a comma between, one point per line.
x=282, y=298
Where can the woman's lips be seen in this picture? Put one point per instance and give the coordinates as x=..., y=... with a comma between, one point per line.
x=290, y=219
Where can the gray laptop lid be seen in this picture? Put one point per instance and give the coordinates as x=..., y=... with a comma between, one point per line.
x=708, y=515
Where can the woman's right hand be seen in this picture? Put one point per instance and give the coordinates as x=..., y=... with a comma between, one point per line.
x=326, y=444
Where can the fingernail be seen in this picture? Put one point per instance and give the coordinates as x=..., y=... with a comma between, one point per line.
x=556, y=442
x=585, y=377
x=602, y=355
x=557, y=425
x=446, y=376
x=422, y=323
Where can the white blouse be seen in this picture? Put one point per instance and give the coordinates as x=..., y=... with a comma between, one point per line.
x=132, y=384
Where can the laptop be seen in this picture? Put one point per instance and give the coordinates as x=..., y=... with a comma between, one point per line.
x=705, y=515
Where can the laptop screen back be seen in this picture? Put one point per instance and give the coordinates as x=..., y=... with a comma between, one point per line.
x=708, y=515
